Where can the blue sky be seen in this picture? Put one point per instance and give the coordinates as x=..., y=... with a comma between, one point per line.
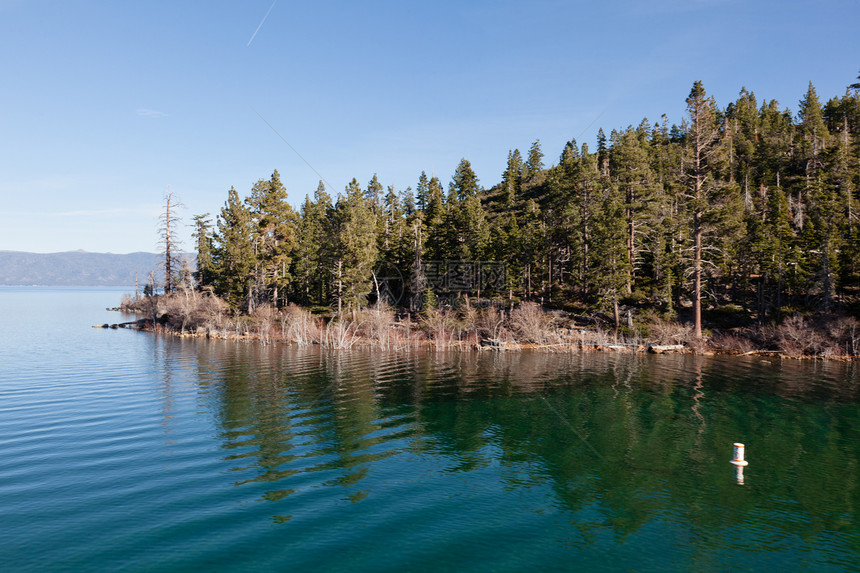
x=106, y=104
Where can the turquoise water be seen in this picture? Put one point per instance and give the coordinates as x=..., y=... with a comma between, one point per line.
x=122, y=450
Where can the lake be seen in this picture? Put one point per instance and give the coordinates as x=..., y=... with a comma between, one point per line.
x=123, y=450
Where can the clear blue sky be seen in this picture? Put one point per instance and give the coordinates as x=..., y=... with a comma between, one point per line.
x=105, y=104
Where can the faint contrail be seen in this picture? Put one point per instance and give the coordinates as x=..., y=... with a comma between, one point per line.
x=261, y=23
x=294, y=149
x=593, y=121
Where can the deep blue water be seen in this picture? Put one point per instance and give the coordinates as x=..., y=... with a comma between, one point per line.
x=122, y=450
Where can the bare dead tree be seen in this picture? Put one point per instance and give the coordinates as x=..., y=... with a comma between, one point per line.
x=168, y=229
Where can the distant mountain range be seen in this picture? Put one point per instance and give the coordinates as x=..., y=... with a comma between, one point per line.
x=77, y=268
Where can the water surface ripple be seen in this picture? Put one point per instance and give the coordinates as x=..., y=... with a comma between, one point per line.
x=128, y=451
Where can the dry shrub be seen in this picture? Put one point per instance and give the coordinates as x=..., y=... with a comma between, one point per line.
x=671, y=332
x=442, y=327
x=211, y=311
x=491, y=324
x=532, y=324
x=187, y=309
x=127, y=303
x=402, y=335
x=596, y=337
x=844, y=334
x=264, y=318
x=340, y=333
x=796, y=336
x=299, y=325
x=376, y=324
x=732, y=341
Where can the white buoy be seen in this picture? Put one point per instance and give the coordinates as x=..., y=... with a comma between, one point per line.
x=738, y=459
x=739, y=475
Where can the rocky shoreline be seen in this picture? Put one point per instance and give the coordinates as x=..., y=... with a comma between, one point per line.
x=399, y=335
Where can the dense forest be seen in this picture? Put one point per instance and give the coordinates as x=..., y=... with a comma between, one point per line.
x=737, y=215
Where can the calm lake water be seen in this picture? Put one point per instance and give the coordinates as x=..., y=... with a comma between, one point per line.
x=121, y=450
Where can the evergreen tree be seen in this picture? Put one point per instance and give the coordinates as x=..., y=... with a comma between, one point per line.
x=703, y=139
x=569, y=154
x=393, y=242
x=511, y=178
x=274, y=236
x=742, y=128
x=535, y=247
x=374, y=191
x=355, y=251
x=422, y=192
x=471, y=230
x=314, y=247
x=534, y=164
x=611, y=267
x=635, y=179
x=205, y=273
x=434, y=222
x=233, y=253
x=581, y=204
x=602, y=152
x=464, y=183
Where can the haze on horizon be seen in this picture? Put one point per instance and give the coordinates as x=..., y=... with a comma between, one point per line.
x=106, y=105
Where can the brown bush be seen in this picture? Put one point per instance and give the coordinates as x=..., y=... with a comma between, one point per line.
x=188, y=309
x=670, y=332
x=376, y=325
x=442, y=327
x=844, y=334
x=732, y=341
x=796, y=336
x=532, y=324
x=299, y=326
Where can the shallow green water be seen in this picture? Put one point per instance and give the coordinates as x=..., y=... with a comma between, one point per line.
x=124, y=451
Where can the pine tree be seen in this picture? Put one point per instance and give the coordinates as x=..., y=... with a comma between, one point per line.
x=313, y=248
x=569, y=154
x=233, y=253
x=374, y=191
x=535, y=247
x=703, y=146
x=602, y=153
x=534, y=164
x=611, y=268
x=511, y=178
x=205, y=273
x=472, y=231
x=742, y=127
x=275, y=224
x=422, y=192
x=465, y=182
x=393, y=243
x=434, y=222
x=856, y=85
x=584, y=183
x=632, y=173
x=355, y=251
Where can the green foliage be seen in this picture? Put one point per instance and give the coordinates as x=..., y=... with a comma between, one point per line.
x=749, y=206
x=203, y=239
x=464, y=184
x=234, y=258
x=274, y=236
x=428, y=303
x=355, y=249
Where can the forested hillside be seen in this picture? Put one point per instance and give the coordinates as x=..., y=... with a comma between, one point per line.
x=739, y=213
x=76, y=268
